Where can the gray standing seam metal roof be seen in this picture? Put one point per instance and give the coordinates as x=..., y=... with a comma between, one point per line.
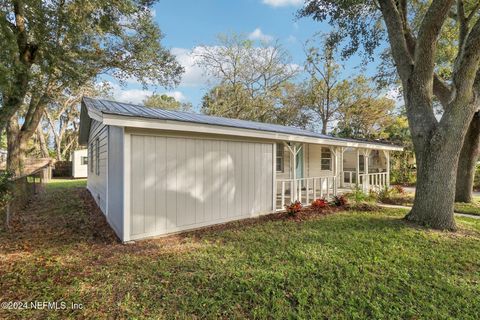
x=132, y=110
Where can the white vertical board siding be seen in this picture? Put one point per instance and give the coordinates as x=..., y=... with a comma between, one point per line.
x=97, y=184
x=185, y=183
x=115, y=179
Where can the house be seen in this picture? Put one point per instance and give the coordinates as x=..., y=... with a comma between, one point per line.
x=79, y=163
x=155, y=172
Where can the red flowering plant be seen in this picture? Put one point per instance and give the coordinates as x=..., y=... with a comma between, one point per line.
x=293, y=208
x=319, y=204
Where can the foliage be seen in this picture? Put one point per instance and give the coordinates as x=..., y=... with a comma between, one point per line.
x=340, y=200
x=325, y=91
x=163, y=101
x=62, y=116
x=293, y=208
x=358, y=196
x=365, y=114
x=53, y=47
x=349, y=265
x=252, y=79
x=319, y=204
x=395, y=195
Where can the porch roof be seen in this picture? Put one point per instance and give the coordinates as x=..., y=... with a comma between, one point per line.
x=130, y=115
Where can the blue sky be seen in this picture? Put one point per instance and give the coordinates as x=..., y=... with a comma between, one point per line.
x=190, y=23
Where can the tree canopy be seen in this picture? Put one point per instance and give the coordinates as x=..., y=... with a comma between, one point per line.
x=53, y=46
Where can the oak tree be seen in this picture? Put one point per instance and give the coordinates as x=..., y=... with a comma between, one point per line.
x=437, y=142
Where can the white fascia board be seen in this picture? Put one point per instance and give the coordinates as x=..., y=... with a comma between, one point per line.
x=135, y=122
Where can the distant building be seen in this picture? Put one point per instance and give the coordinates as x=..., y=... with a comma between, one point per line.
x=79, y=163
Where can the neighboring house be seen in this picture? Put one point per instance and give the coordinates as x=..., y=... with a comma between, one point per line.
x=80, y=163
x=3, y=155
x=155, y=172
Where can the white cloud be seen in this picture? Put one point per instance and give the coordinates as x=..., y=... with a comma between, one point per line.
x=194, y=75
x=178, y=95
x=282, y=3
x=136, y=96
x=257, y=34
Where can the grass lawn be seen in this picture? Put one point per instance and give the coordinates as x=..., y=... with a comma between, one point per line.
x=469, y=208
x=344, y=265
x=57, y=183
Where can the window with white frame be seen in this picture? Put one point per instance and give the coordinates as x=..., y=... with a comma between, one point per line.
x=83, y=160
x=326, y=161
x=97, y=157
x=280, y=157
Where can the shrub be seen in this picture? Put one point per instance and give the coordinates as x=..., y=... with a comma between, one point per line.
x=385, y=193
x=399, y=189
x=358, y=196
x=319, y=204
x=340, y=201
x=293, y=208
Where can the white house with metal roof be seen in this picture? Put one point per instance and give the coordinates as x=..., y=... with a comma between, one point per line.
x=155, y=172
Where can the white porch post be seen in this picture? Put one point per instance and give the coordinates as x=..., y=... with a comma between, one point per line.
x=387, y=154
x=366, y=158
x=358, y=168
x=274, y=176
x=341, y=177
x=333, y=150
x=294, y=168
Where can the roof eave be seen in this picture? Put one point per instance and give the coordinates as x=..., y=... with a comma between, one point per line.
x=141, y=122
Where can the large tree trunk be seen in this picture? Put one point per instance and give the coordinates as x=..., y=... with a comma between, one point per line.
x=435, y=189
x=437, y=152
x=16, y=146
x=42, y=142
x=467, y=162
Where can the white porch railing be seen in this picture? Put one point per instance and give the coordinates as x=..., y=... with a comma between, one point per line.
x=377, y=180
x=304, y=190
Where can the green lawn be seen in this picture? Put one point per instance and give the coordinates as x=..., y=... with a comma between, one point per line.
x=469, y=208
x=344, y=265
x=57, y=183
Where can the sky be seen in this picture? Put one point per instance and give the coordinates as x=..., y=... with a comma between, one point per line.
x=187, y=24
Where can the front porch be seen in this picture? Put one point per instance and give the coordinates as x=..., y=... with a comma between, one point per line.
x=306, y=171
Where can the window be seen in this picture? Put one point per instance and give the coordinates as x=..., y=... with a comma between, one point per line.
x=84, y=161
x=280, y=155
x=97, y=156
x=326, y=161
x=91, y=157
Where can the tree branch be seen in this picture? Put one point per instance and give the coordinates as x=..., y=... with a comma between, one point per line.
x=428, y=34
x=396, y=33
x=466, y=68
